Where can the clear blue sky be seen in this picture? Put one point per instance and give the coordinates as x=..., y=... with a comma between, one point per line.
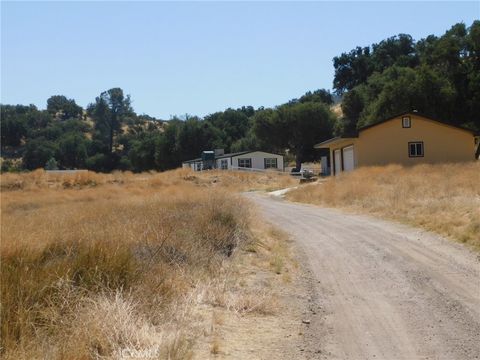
x=197, y=57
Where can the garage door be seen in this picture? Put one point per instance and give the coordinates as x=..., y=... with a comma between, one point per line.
x=348, y=163
x=337, y=159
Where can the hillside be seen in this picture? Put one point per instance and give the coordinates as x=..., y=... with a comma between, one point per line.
x=437, y=76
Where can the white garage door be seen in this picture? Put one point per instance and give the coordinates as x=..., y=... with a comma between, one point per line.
x=348, y=163
x=338, y=161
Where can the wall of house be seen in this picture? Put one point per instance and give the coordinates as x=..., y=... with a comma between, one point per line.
x=339, y=146
x=219, y=163
x=258, y=160
x=387, y=143
x=195, y=166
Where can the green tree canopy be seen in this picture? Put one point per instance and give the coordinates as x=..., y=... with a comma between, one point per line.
x=234, y=124
x=109, y=111
x=13, y=125
x=37, y=152
x=295, y=127
x=438, y=76
x=59, y=105
x=72, y=150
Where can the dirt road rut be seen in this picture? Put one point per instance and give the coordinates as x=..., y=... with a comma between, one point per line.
x=384, y=291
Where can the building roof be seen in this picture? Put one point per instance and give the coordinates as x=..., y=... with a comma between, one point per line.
x=232, y=154
x=242, y=153
x=220, y=156
x=333, y=140
x=223, y=156
x=193, y=160
x=415, y=113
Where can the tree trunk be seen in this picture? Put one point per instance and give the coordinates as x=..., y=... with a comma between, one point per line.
x=111, y=135
x=298, y=162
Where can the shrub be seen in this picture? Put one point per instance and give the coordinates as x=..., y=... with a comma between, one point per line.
x=51, y=164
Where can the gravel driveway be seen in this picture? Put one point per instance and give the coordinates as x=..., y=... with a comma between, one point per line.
x=383, y=290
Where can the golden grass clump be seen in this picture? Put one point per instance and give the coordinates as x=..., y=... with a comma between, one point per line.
x=441, y=198
x=100, y=265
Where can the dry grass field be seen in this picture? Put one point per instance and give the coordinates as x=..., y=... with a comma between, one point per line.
x=118, y=265
x=440, y=198
x=230, y=180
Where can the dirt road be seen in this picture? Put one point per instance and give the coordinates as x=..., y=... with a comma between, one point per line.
x=383, y=290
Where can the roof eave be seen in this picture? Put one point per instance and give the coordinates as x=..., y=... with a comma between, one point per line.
x=192, y=161
x=415, y=113
x=334, y=140
x=232, y=154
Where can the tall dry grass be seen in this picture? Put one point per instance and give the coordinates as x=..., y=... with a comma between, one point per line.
x=440, y=198
x=231, y=180
x=96, y=265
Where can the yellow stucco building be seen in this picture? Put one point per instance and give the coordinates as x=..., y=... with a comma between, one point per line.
x=405, y=139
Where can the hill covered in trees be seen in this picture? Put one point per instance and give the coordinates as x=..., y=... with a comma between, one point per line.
x=109, y=135
x=438, y=76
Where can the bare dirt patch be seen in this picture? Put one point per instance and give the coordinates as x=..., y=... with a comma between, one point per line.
x=267, y=308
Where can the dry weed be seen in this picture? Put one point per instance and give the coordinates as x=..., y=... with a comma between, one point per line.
x=110, y=264
x=215, y=349
x=231, y=180
x=441, y=198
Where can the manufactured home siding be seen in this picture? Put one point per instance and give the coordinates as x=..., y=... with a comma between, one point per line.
x=387, y=143
x=258, y=159
x=227, y=160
